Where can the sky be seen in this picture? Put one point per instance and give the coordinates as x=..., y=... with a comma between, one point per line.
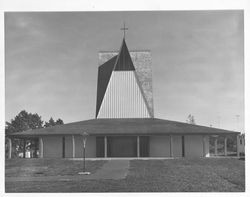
x=51, y=62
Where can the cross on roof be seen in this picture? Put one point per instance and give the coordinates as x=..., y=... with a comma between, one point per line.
x=124, y=28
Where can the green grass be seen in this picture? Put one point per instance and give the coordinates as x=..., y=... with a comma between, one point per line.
x=47, y=167
x=173, y=175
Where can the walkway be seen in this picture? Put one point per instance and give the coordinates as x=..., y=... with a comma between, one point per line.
x=113, y=169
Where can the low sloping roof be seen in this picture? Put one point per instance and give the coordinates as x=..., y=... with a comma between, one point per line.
x=128, y=126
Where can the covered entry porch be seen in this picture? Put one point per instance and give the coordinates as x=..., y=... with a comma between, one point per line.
x=157, y=146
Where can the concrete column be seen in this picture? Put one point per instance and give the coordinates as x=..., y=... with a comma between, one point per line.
x=105, y=147
x=73, y=147
x=204, y=145
x=10, y=147
x=225, y=146
x=24, y=148
x=171, y=146
x=238, y=145
x=41, y=147
x=215, y=146
x=138, y=146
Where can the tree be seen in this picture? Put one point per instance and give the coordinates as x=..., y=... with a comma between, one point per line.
x=22, y=122
x=59, y=121
x=53, y=123
x=190, y=119
x=50, y=123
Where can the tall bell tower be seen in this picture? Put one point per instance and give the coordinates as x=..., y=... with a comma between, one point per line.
x=124, y=86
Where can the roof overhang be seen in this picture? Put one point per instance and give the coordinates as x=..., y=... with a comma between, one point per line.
x=128, y=126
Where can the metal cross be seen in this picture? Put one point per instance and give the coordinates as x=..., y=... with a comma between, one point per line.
x=124, y=29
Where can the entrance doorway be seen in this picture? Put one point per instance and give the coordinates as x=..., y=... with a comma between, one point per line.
x=122, y=146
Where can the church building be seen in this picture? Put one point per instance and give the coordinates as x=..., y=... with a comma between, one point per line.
x=124, y=124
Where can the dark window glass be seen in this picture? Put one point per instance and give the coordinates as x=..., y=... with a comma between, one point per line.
x=144, y=146
x=63, y=147
x=122, y=146
x=183, y=146
x=100, y=146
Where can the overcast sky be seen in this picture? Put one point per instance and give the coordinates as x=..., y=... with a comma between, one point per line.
x=52, y=61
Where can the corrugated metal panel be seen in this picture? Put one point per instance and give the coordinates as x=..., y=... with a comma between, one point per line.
x=123, y=98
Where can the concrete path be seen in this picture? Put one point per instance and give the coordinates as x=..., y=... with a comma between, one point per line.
x=113, y=169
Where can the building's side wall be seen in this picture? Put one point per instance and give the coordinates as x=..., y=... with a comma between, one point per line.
x=90, y=147
x=78, y=146
x=68, y=147
x=159, y=146
x=52, y=146
x=177, y=146
x=193, y=146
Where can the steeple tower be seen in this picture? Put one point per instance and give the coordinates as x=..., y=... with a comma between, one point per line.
x=119, y=91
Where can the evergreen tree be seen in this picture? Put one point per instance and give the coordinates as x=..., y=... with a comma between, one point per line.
x=190, y=119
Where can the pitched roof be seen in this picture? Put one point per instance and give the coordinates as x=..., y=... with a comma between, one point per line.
x=127, y=126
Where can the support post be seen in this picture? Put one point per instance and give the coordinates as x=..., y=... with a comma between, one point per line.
x=215, y=146
x=105, y=147
x=171, y=146
x=10, y=147
x=204, y=145
x=225, y=146
x=73, y=147
x=138, y=146
x=41, y=147
x=24, y=148
x=238, y=145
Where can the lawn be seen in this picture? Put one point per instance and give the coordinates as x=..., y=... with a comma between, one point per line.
x=170, y=175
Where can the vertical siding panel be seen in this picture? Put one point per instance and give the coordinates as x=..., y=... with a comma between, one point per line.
x=123, y=98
